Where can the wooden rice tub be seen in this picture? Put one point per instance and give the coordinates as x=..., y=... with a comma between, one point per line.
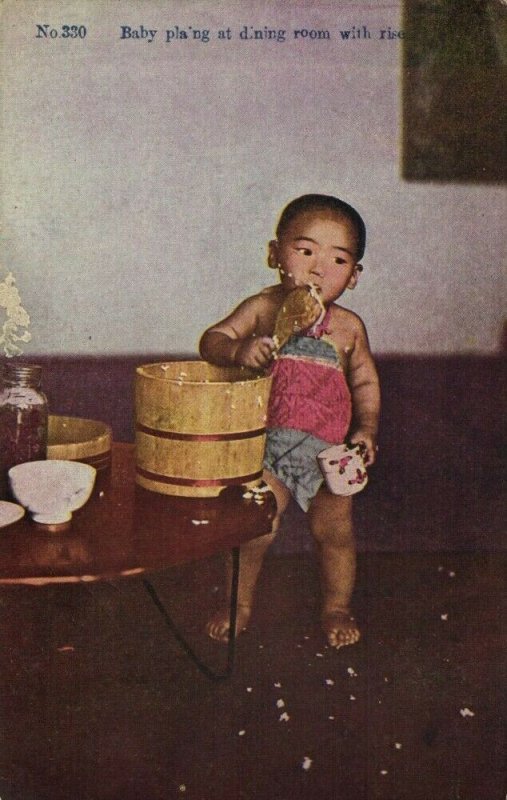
x=199, y=428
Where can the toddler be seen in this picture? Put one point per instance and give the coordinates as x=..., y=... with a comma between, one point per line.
x=325, y=389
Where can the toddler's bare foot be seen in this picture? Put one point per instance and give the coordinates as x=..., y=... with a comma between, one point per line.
x=340, y=628
x=218, y=626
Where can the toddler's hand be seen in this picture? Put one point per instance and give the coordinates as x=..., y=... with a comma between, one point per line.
x=255, y=352
x=370, y=443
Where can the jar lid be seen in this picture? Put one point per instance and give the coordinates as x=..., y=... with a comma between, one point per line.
x=24, y=374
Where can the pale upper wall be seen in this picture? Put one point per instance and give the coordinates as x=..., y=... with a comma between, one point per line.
x=142, y=181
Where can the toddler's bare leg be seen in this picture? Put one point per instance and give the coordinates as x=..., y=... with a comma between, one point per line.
x=331, y=525
x=251, y=558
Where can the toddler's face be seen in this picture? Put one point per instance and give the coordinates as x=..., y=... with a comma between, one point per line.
x=317, y=249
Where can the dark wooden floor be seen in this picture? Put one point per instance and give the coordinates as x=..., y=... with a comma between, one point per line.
x=99, y=703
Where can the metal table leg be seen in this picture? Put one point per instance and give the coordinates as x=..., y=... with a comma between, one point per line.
x=215, y=676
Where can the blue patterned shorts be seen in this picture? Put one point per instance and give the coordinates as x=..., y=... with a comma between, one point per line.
x=292, y=457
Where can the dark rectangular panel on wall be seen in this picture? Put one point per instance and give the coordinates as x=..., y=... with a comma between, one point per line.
x=454, y=89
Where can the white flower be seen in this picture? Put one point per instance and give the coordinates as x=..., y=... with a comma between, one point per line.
x=9, y=295
x=18, y=315
x=15, y=317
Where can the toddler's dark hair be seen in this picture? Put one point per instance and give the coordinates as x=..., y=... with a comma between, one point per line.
x=324, y=202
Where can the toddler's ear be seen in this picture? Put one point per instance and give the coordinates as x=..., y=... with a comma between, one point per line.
x=273, y=254
x=355, y=276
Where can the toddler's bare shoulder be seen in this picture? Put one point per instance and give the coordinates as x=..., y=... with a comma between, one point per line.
x=272, y=292
x=270, y=297
x=347, y=319
x=262, y=299
x=262, y=307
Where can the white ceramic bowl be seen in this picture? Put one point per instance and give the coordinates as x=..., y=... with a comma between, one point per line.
x=52, y=490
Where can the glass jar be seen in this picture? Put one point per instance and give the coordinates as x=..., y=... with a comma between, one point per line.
x=23, y=418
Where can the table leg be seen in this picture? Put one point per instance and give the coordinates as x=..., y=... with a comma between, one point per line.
x=204, y=668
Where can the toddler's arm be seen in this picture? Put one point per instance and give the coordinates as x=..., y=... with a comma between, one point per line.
x=234, y=340
x=364, y=388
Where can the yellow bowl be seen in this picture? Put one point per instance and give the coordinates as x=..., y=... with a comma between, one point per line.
x=78, y=439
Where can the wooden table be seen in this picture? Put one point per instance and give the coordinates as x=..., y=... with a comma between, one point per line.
x=127, y=531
